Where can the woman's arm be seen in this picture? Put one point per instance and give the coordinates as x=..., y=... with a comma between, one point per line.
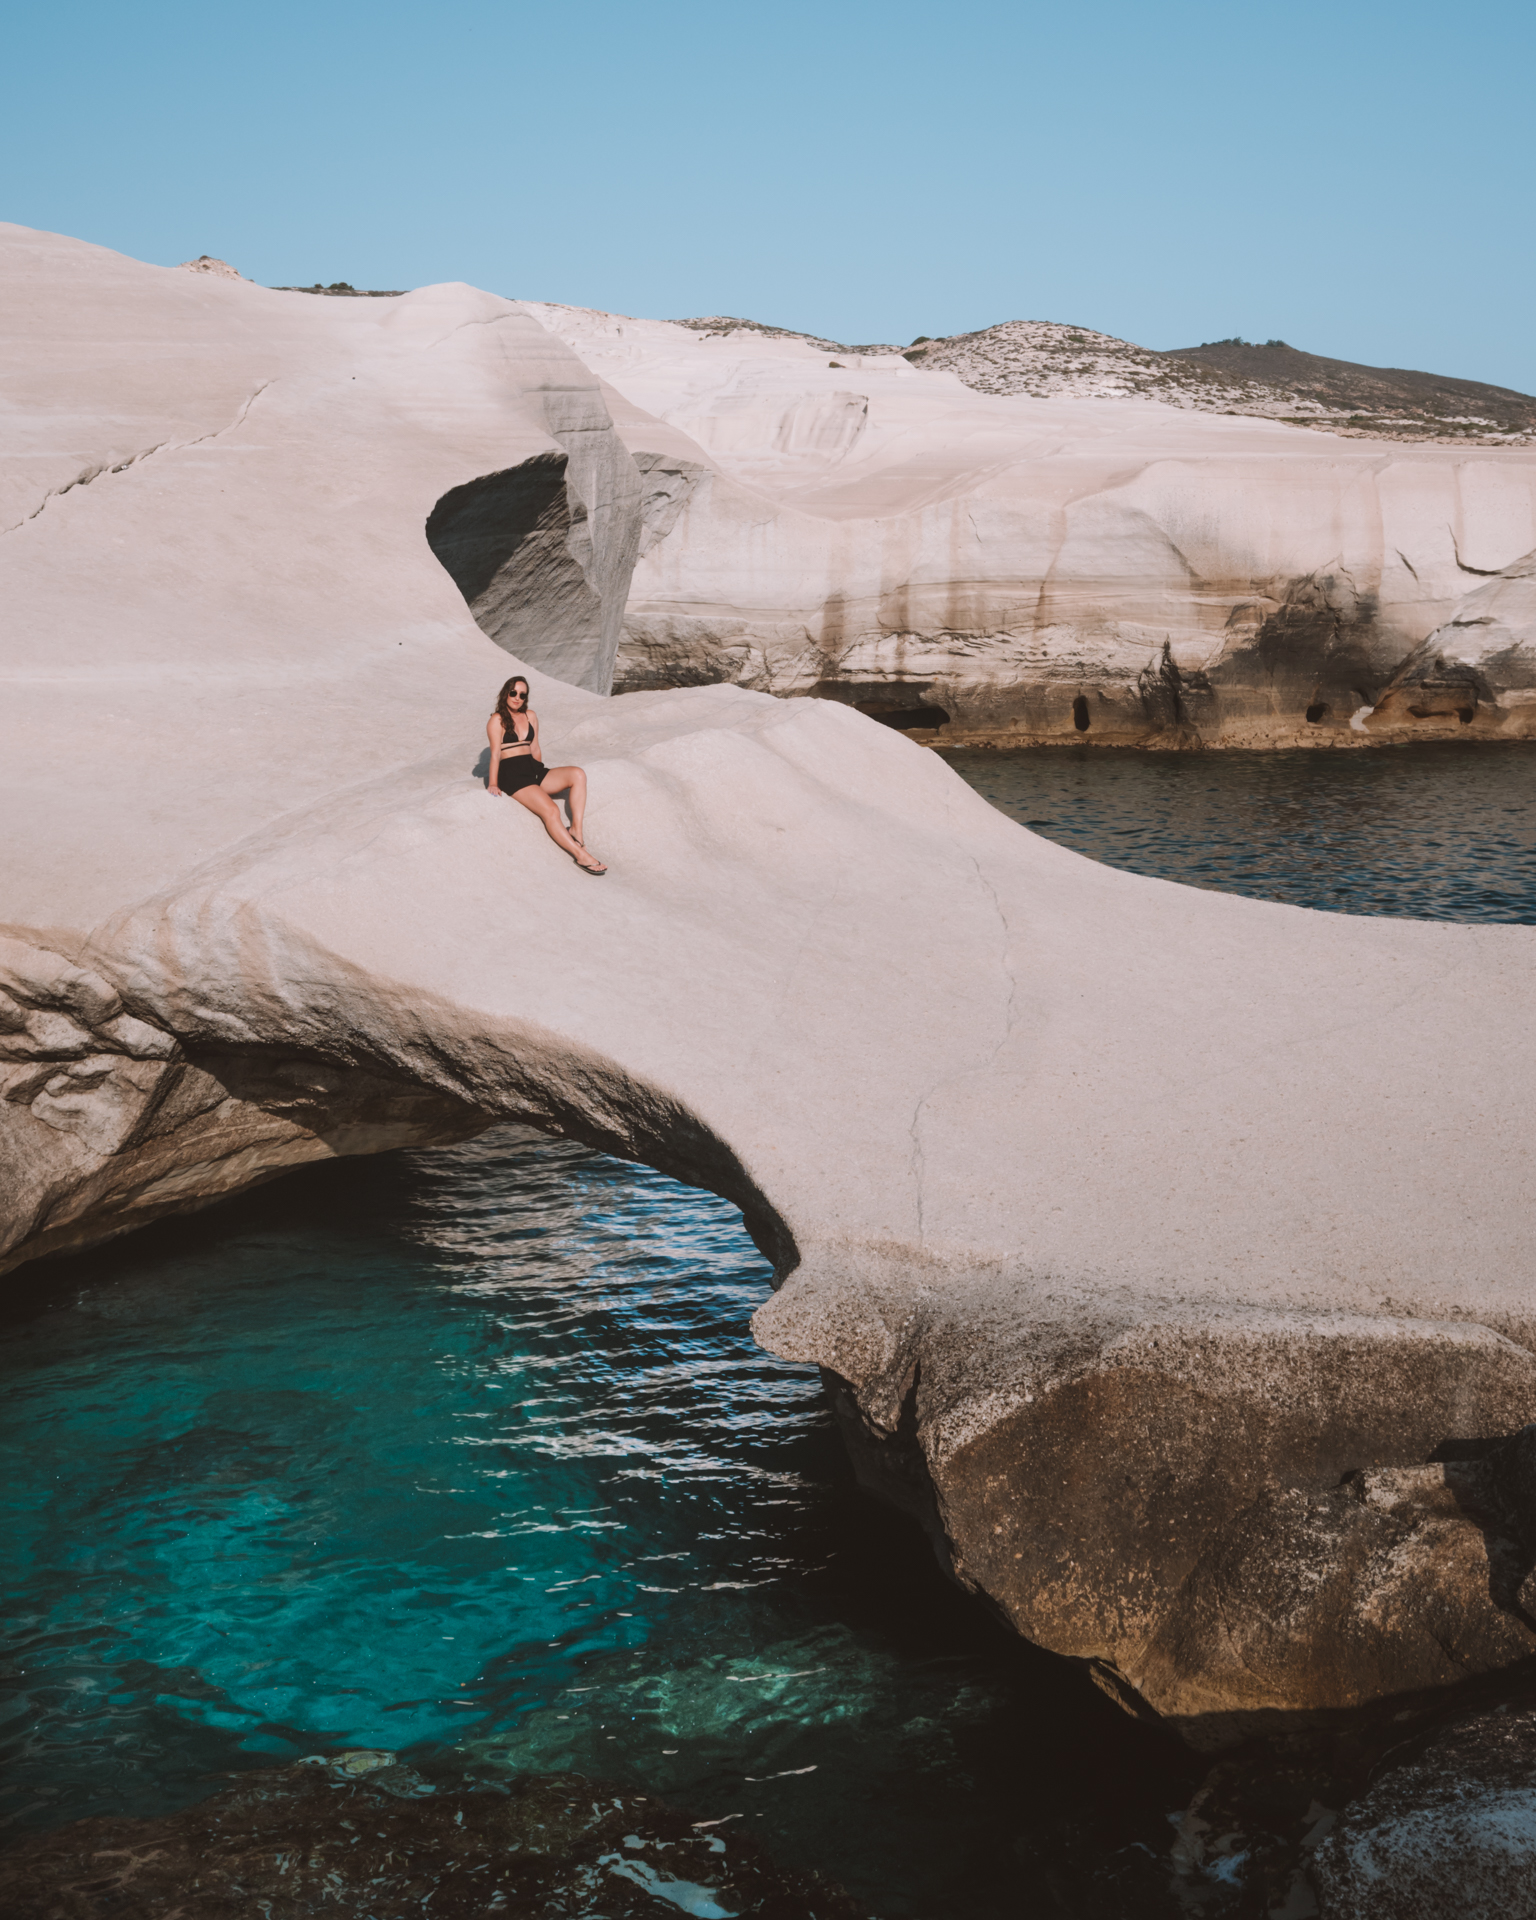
x=533, y=738
x=493, y=732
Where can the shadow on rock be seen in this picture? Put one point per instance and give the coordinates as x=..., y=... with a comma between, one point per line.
x=1386, y=1590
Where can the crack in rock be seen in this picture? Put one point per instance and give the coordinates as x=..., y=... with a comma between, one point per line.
x=87, y=475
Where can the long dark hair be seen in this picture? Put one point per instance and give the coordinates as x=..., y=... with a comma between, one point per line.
x=502, y=708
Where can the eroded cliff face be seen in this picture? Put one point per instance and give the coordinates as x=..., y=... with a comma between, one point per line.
x=216, y=563
x=1307, y=661
x=1282, y=1548
x=1161, y=1277
x=108, y=1122
x=985, y=568
x=543, y=552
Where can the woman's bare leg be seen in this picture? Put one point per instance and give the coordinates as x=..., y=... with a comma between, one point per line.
x=536, y=800
x=572, y=782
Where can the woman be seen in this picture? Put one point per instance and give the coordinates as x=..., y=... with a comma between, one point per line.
x=513, y=730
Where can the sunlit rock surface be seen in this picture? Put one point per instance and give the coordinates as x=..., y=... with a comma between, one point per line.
x=1085, y=563
x=1132, y=1219
x=1483, y=657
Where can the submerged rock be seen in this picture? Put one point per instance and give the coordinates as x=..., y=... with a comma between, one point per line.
x=1378, y=1818
x=363, y=1834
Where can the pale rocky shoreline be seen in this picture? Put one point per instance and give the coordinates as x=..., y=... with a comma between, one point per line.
x=1179, y=1295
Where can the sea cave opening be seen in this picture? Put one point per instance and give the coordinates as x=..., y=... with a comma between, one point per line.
x=468, y=1454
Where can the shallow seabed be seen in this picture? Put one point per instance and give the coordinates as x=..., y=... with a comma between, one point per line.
x=473, y=1450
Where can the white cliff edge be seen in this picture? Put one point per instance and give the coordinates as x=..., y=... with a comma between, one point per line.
x=1130, y=1218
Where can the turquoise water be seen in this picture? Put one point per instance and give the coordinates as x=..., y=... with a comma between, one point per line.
x=1443, y=832
x=472, y=1450
x=470, y=1454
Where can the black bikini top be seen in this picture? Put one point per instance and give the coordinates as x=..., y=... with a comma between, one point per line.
x=514, y=741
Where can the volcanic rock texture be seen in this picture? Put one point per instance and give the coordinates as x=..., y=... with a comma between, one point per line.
x=1081, y=550
x=1164, y=1246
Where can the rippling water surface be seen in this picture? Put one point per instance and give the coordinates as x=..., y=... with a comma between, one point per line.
x=1429, y=833
x=473, y=1449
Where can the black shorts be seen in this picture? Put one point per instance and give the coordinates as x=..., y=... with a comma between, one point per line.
x=520, y=770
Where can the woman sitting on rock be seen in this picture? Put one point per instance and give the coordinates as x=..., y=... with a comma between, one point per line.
x=516, y=768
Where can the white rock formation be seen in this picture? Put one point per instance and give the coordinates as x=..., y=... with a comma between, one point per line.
x=1121, y=1209
x=1484, y=656
x=1074, y=566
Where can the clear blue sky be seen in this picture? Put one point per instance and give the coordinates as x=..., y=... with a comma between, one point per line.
x=1354, y=177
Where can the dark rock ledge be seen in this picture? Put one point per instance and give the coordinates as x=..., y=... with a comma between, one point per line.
x=1448, y=1828
x=1378, y=1821
x=362, y=1834
x=1248, y=1571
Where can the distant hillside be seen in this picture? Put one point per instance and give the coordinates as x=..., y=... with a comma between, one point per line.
x=1043, y=358
x=1274, y=381
x=1370, y=395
